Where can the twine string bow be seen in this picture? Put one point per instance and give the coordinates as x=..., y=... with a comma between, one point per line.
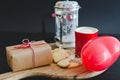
x=27, y=44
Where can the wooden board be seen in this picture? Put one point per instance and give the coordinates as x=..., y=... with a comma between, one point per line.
x=52, y=71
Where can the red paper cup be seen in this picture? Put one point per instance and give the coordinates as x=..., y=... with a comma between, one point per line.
x=82, y=35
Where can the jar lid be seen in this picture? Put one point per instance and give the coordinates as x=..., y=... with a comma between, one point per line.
x=67, y=4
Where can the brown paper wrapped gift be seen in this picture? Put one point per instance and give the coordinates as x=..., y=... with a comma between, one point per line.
x=21, y=57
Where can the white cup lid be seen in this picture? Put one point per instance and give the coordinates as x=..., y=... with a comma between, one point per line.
x=87, y=30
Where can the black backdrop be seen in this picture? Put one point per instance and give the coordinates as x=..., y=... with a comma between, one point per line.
x=29, y=15
x=34, y=16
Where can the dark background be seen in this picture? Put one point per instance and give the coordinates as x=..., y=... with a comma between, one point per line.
x=21, y=19
x=35, y=15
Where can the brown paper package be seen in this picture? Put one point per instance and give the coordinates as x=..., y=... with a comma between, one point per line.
x=22, y=58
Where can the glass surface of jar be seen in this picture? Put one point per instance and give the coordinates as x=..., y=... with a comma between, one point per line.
x=67, y=18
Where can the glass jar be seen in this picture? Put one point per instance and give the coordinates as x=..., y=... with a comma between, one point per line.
x=66, y=21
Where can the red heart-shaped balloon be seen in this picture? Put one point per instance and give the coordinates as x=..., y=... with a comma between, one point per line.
x=100, y=53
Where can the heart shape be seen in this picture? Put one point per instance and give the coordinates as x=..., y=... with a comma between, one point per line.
x=100, y=53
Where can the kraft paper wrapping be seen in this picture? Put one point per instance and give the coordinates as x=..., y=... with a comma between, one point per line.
x=22, y=58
